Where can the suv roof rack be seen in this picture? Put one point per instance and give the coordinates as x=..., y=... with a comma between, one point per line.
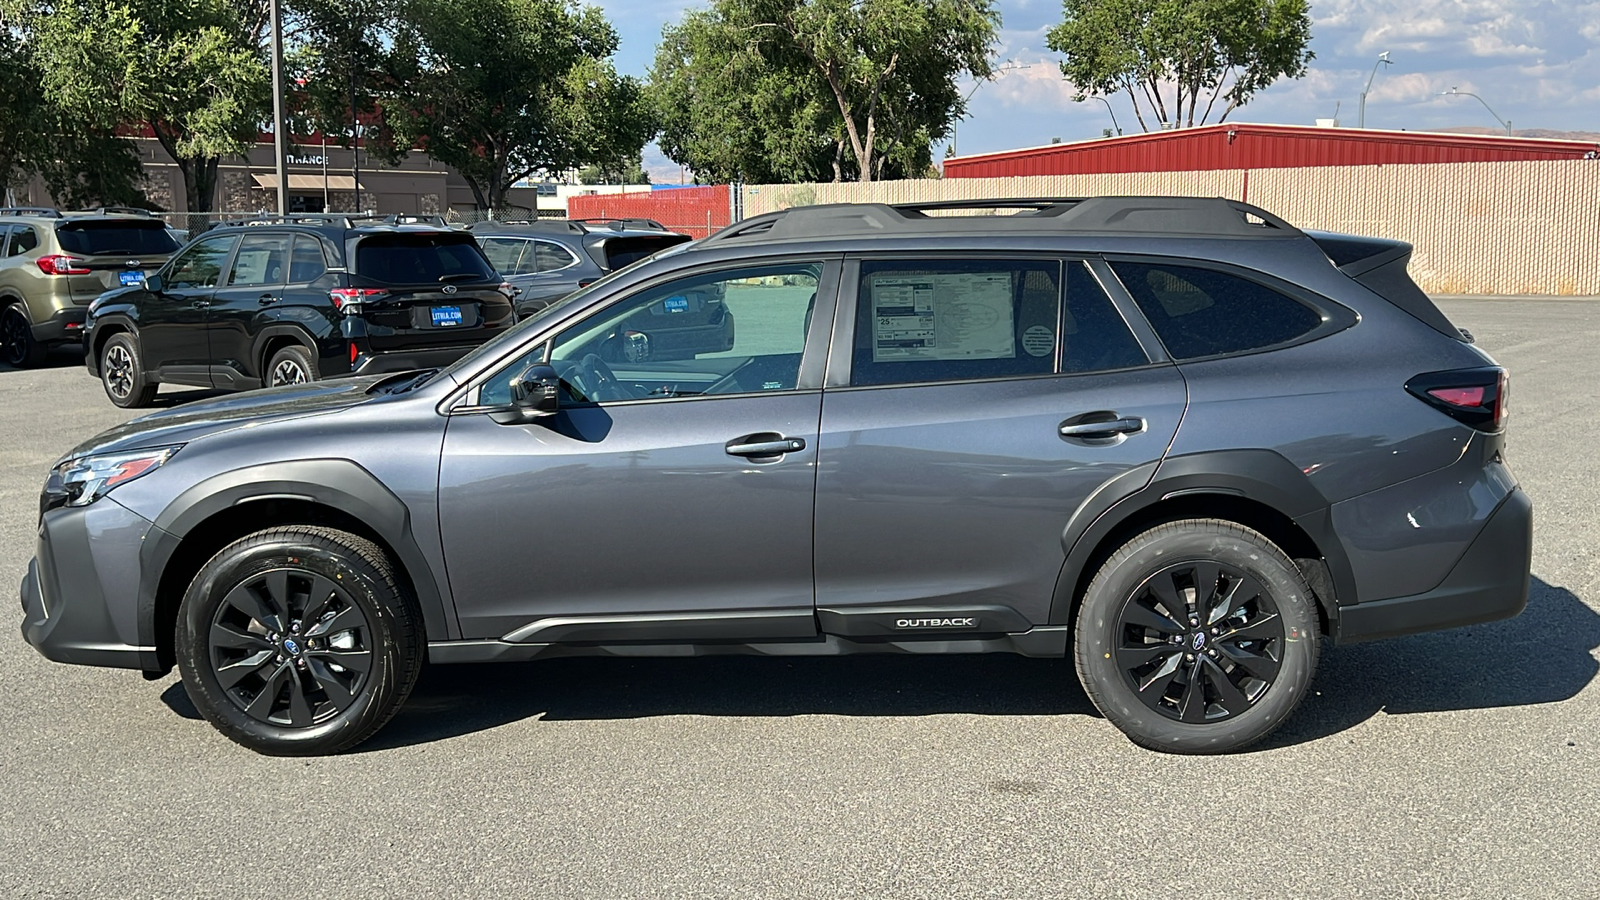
x=619, y=223
x=112, y=211
x=1175, y=216
x=570, y=226
x=46, y=211
x=338, y=220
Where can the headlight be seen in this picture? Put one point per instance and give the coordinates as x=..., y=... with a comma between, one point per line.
x=89, y=478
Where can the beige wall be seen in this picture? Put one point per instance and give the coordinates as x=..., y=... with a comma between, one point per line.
x=1478, y=228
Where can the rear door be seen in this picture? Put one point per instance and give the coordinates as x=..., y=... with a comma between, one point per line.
x=555, y=271
x=438, y=290
x=243, y=304
x=172, y=321
x=116, y=251
x=972, y=406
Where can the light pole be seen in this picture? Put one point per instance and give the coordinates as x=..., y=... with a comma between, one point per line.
x=280, y=128
x=1505, y=122
x=1108, y=109
x=1009, y=66
x=1361, y=115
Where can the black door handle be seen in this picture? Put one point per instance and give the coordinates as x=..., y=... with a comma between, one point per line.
x=769, y=444
x=1102, y=428
x=266, y=299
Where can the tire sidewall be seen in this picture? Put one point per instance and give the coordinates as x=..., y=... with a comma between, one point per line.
x=1159, y=549
x=301, y=357
x=27, y=352
x=246, y=559
x=138, y=388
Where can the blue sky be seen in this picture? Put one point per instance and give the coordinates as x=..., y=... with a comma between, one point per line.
x=1535, y=62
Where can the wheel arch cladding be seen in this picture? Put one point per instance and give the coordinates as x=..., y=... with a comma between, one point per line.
x=215, y=512
x=276, y=337
x=1259, y=489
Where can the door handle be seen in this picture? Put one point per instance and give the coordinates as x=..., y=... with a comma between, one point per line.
x=266, y=299
x=774, y=445
x=1103, y=428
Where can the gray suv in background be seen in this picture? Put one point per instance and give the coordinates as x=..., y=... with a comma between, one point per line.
x=550, y=258
x=1177, y=439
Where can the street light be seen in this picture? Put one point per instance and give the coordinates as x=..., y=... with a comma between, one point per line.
x=1108, y=109
x=1361, y=116
x=1505, y=122
x=1009, y=66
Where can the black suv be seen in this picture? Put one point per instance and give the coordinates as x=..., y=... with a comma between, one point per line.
x=550, y=258
x=289, y=300
x=1177, y=439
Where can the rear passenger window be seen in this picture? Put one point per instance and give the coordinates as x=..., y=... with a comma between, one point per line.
x=956, y=320
x=306, y=263
x=551, y=257
x=23, y=240
x=1203, y=312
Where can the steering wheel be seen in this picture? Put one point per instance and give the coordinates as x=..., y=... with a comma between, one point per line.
x=595, y=379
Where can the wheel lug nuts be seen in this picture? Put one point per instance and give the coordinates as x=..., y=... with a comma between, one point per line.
x=1212, y=652
x=1216, y=631
x=1189, y=657
x=1194, y=622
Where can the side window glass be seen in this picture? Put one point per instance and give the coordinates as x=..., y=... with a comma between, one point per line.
x=5, y=242
x=201, y=266
x=549, y=257
x=260, y=261
x=952, y=320
x=1094, y=338
x=1203, y=312
x=502, y=253
x=306, y=262
x=23, y=240
x=678, y=340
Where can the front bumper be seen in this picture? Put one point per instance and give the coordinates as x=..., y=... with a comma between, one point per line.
x=80, y=594
x=1489, y=582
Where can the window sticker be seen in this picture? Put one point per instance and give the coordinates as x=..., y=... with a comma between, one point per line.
x=943, y=316
x=1039, y=340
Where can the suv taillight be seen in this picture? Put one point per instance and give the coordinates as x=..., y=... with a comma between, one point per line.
x=1476, y=397
x=349, y=300
x=57, y=264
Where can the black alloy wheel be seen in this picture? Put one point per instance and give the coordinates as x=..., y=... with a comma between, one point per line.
x=1200, y=641
x=18, y=349
x=290, y=365
x=290, y=647
x=121, y=374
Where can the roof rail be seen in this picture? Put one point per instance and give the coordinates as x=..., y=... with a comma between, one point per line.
x=619, y=223
x=46, y=211
x=114, y=211
x=571, y=226
x=1174, y=216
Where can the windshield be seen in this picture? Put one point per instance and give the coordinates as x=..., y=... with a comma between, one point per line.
x=121, y=237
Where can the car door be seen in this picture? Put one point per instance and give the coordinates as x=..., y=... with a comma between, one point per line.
x=242, y=305
x=555, y=274
x=670, y=499
x=172, y=321
x=972, y=406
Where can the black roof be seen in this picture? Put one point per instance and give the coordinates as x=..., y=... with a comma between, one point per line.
x=1160, y=216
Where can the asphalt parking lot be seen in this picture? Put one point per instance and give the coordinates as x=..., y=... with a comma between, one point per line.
x=1460, y=764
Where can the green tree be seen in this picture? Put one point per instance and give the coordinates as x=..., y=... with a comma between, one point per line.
x=1178, y=54
x=339, y=67
x=192, y=70
x=790, y=89
x=502, y=89
x=620, y=171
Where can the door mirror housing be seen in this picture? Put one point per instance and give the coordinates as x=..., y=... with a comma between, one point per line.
x=153, y=283
x=536, y=392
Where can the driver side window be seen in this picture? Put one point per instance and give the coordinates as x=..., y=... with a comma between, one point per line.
x=737, y=331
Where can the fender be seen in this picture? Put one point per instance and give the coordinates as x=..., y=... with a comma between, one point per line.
x=1263, y=476
x=338, y=483
x=123, y=317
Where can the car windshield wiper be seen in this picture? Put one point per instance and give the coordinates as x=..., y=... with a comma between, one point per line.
x=462, y=276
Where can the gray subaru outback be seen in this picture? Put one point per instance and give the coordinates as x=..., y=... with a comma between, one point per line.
x=1178, y=439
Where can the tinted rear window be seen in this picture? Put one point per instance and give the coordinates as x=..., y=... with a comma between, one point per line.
x=422, y=259
x=1203, y=312
x=625, y=251
x=117, y=237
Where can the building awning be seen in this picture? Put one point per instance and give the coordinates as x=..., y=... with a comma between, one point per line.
x=308, y=182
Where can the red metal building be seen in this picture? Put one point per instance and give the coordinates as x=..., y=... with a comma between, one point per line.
x=1259, y=147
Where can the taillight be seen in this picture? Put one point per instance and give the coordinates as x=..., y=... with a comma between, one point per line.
x=57, y=264
x=509, y=291
x=349, y=300
x=1476, y=397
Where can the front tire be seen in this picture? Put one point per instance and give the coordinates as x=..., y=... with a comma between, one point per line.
x=1198, y=636
x=18, y=348
x=299, y=641
x=122, y=375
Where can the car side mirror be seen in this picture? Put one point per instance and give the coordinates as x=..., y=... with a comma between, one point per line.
x=153, y=283
x=537, y=391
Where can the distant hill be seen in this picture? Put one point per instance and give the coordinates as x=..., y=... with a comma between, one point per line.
x=1590, y=137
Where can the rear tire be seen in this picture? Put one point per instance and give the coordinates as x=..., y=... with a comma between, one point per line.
x=122, y=375
x=291, y=365
x=18, y=348
x=1198, y=636
x=299, y=641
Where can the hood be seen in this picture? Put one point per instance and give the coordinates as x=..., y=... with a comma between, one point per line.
x=185, y=423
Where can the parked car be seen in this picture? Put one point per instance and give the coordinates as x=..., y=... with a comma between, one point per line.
x=53, y=264
x=290, y=300
x=1178, y=439
x=547, y=259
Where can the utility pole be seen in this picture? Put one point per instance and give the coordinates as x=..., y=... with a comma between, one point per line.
x=355, y=130
x=1361, y=115
x=280, y=127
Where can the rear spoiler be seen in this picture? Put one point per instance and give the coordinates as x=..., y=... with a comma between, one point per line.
x=1379, y=265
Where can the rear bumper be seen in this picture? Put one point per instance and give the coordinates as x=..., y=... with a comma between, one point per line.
x=1489, y=582
x=63, y=325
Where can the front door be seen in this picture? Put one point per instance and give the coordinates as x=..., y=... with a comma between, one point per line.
x=243, y=305
x=985, y=400
x=172, y=321
x=671, y=498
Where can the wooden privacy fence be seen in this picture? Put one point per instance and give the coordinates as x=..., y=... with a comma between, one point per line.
x=1479, y=228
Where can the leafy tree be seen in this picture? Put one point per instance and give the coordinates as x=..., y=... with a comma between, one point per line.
x=1177, y=54
x=789, y=89
x=192, y=70
x=340, y=64
x=501, y=89
x=621, y=171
